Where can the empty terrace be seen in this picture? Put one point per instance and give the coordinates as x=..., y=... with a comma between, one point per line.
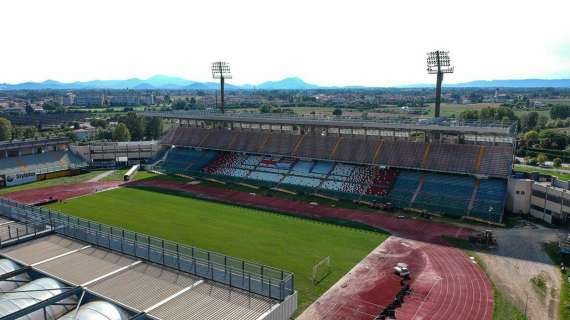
x=145, y=287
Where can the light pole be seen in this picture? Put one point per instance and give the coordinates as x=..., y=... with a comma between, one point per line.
x=438, y=63
x=221, y=70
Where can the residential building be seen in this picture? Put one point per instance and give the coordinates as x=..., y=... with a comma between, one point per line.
x=89, y=100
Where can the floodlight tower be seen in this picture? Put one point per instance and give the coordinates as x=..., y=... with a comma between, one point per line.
x=221, y=70
x=438, y=62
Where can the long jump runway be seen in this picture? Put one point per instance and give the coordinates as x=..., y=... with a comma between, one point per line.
x=446, y=284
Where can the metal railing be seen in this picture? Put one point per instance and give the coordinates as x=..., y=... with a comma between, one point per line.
x=14, y=231
x=238, y=273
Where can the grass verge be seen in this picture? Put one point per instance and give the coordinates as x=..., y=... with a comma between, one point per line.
x=552, y=172
x=551, y=248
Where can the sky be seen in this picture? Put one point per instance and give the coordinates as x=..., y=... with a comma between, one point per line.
x=328, y=42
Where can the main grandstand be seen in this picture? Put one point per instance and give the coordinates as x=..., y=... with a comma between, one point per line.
x=449, y=167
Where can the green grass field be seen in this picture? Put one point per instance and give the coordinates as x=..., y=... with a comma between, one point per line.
x=553, y=172
x=280, y=241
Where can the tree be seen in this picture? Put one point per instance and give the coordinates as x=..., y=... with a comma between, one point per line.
x=337, y=112
x=528, y=120
x=179, y=105
x=154, y=128
x=469, y=115
x=557, y=162
x=30, y=132
x=135, y=124
x=99, y=123
x=542, y=121
x=560, y=112
x=530, y=137
x=51, y=105
x=552, y=138
x=5, y=129
x=265, y=108
x=541, y=158
x=121, y=133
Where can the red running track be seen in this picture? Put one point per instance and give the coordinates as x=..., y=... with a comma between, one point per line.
x=446, y=284
x=60, y=192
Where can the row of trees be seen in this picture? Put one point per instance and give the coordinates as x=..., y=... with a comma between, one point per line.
x=547, y=139
x=490, y=113
x=527, y=121
x=560, y=112
x=135, y=127
x=10, y=132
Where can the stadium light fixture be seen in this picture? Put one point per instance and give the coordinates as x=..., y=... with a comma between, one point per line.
x=221, y=70
x=438, y=62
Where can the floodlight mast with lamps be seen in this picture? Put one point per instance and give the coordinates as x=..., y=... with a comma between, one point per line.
x=221, y=70
x=438, y=62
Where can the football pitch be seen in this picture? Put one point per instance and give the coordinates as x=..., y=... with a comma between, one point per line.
x=281, y=241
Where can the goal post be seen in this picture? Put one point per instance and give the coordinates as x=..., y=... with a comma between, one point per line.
x=321, y=270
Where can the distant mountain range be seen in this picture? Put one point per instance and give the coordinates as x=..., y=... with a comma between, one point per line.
x=517, y=83
x=292, y=83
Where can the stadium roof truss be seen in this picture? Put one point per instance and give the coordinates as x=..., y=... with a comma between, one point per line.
x=505, y=131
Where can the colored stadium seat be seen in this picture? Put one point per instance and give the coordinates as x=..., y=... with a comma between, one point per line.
x=179, y=159
x=490, y=200
x=41, y=163
x=446, y=194
x=495, y=160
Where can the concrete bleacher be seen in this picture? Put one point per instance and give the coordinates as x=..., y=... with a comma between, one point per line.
x=303, y=166
x=496, y=160
x=492, y=160
x=342, y=170
x=447, y=194
x=181, y=159
x=302, y=181
x=280, y=143
x=41, y=163
x=322, y=167
x=217, y=139
x=428, y=189
x=401, y=153
x=405, y=186
x=248, y=141
x=357, y=149
x=489, y=199
x=447, y=157
x=265, y=176
x=316, y=146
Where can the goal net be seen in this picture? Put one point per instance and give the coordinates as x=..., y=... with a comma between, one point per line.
x=321, y=270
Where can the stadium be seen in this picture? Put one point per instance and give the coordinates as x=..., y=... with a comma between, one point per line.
x=252, y=216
